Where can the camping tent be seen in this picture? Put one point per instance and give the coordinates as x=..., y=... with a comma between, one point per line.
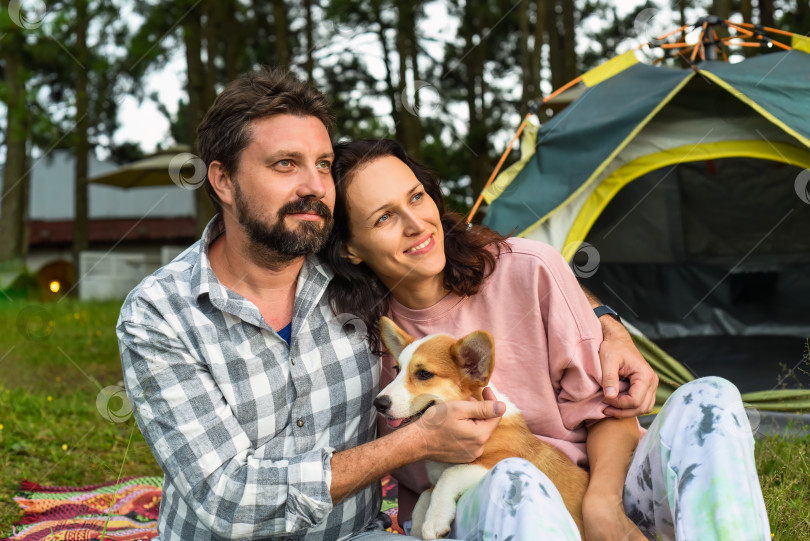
x=680, y=196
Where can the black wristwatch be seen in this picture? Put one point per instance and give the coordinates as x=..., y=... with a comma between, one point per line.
x=605, y=309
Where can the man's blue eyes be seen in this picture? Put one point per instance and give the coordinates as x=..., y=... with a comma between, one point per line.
x=288, y=163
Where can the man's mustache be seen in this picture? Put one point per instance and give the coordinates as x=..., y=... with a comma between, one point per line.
x=315, y=206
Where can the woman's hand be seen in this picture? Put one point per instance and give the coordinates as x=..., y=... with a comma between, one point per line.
x=604, y=519
x=620, y=358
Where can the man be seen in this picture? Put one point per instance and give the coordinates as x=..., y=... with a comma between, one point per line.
x=255, y=398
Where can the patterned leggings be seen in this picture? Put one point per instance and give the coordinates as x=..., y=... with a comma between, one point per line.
x=692, y=477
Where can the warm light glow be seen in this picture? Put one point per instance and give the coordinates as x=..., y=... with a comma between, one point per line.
x=55, y=286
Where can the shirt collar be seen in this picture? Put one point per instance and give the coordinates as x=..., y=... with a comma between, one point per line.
x=313, y=278
x=203, y=279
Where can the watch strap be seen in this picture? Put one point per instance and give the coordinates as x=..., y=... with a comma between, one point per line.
x=605, y=309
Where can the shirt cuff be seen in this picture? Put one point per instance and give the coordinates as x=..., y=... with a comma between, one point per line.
x=309, y=499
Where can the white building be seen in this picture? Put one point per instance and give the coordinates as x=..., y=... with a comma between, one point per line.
x=131, y=232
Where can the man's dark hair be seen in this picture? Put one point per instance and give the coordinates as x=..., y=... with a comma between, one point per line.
x=225, y=130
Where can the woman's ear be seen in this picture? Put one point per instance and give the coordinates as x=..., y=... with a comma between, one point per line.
x=347, y=253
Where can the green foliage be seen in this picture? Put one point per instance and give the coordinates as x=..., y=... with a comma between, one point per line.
x=24, y=287
x=51, y=57
x=126, y=152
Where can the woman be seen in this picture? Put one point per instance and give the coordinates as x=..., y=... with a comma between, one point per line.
x=396, y=251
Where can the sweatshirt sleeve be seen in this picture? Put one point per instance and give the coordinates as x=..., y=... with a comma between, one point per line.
x=574, y=337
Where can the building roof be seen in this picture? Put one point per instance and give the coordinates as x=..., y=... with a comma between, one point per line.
x=52, y=193
x=104, y=231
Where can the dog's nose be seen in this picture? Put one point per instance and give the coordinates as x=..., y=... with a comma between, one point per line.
x=382, y=403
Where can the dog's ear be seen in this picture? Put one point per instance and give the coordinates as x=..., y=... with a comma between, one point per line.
x=394, y=338
x=475, y=354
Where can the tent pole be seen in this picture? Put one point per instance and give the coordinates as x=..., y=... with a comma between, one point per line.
x=508, y=149
x=760, y=36
x=769, y=29
x=498, y=167
x=699, y=43
x=719, y=45
x=663, y=37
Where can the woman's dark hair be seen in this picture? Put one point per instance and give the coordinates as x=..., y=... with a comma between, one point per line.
x=471, y=250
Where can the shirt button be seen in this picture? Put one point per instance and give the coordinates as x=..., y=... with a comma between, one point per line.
x=292, y=361
x=300, y=422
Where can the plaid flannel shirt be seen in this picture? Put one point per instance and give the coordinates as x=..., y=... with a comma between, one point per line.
x=243, y=425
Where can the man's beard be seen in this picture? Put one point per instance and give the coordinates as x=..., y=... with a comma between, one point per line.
x=307, y=238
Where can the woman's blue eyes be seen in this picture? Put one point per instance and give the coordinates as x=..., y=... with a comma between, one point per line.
x=415, y=198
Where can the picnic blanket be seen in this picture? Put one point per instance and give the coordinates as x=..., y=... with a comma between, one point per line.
x=129, y=510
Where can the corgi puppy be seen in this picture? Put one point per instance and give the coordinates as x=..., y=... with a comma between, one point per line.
x=439, y=368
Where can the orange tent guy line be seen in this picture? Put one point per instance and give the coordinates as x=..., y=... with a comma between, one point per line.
x=506, y=152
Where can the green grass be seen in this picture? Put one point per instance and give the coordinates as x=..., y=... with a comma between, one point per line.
x=54, y=361
x=56, y=358
x=784, y=473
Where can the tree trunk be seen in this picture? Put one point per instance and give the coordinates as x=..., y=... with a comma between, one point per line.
x=192, y=36
x=264, y=32
x=309, y=63
x=390, y=89
x=526, y=63
x=537, y=54
x=569, y=41
x=766, y=12
x=282, y=32
x=81, y=224
x=476, y=91
x=213, y=17
x=233, y=41
x=555, y=54
x=747, y=11
x=14, y=172
x=721, y=8
x=409, y=129
x=414, y=59
x=25, y=195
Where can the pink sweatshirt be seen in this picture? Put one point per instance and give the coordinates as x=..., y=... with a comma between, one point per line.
x=547, y=342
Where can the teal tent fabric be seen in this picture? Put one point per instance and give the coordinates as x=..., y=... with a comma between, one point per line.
x=577, y=140
x=580, y=138
x=779, y=82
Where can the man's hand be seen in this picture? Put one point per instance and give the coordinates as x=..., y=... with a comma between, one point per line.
x=457, y=431
x=621, y=358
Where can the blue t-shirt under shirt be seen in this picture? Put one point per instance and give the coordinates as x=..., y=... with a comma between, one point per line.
x=286, y=332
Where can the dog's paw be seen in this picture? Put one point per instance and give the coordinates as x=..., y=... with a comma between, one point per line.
x=438, y=521
x=431, y=530
x=416, y=525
